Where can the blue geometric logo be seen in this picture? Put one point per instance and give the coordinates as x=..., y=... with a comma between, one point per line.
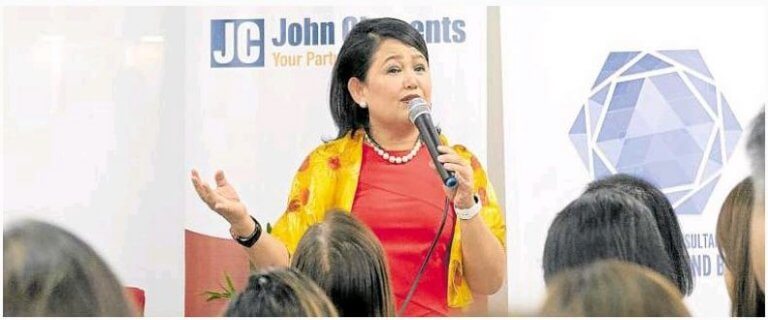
x=237, y=43
x=658, y=115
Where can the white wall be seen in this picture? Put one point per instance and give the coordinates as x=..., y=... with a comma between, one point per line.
x=92, y=120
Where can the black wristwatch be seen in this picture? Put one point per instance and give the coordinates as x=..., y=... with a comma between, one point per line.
x=251, y=239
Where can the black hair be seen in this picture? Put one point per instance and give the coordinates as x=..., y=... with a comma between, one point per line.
x=602, y=225
x=666, y=220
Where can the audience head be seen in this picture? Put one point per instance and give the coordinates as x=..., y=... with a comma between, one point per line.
x=48, y=271
x=666, y=220
x=281, y=292
x=612, y=288
x=747, y=300
x=604, y=224
x=346, y=259
x=756, y=150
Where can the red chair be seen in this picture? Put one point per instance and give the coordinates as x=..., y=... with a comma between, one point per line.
x=137, y=296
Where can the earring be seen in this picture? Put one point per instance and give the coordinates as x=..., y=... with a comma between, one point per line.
x=363, y=105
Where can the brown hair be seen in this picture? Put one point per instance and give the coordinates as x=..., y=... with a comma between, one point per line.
x=747, y=300
x=48, y=271
x=346, y=259
x=612, y=288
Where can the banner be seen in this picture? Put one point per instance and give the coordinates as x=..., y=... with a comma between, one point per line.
x=256, y=92
x=662, y=92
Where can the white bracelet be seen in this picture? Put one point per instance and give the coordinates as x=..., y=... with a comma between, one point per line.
x=471, y=212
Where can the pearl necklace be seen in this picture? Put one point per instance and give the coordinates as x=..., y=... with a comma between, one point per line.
x=391, y=158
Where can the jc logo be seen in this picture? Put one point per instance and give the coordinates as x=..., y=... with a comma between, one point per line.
x=237, y=43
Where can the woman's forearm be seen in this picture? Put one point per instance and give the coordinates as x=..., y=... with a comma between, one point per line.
x=484, y=259
x=267, y=251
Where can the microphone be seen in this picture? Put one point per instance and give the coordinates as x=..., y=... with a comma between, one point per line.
x=418, y=113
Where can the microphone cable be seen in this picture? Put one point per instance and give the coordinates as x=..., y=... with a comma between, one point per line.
x=426, y=260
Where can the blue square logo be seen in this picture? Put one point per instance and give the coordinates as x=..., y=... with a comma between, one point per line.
x=237, y=43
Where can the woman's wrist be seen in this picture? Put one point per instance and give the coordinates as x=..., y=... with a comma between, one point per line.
x=464, y=202
x=243, y=227
x=467, y=212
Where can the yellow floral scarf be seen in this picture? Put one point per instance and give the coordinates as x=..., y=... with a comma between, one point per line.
x=327, y=179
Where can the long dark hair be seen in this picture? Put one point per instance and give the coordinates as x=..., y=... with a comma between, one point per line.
x=733, y=231
x=601, y=225
x=354, y=60
x=666, y=220
x=346, y=259
x=48, y=271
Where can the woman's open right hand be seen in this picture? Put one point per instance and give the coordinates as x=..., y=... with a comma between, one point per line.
x=223, y=199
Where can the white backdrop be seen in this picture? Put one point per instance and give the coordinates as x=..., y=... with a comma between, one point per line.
x=552, y=56
x=258, y=124
x=259, y=121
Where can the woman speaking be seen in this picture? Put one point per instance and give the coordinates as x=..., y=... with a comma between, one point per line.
x=378, y=169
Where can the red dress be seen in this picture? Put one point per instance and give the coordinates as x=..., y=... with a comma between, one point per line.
x=403, y=205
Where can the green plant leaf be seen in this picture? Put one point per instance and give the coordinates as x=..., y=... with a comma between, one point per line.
x=212, y=295
x=228, y=290
x=229, y=283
